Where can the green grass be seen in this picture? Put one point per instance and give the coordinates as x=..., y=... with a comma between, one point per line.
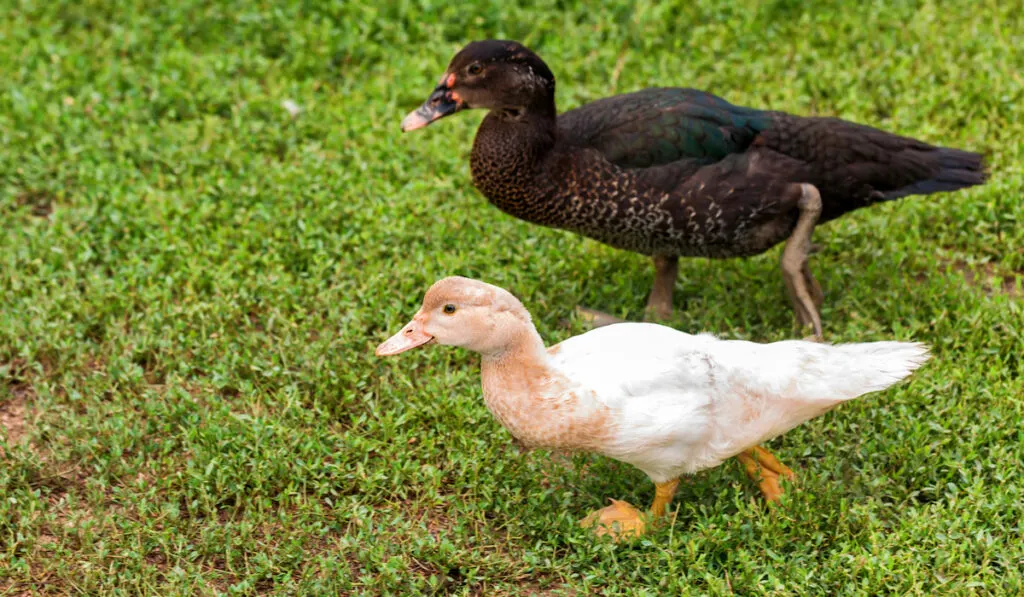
x=192, y=283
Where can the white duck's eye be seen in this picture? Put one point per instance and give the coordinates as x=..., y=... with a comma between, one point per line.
x=449, y=309
x=475, y=69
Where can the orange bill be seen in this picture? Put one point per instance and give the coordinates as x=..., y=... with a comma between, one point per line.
x=411, y=336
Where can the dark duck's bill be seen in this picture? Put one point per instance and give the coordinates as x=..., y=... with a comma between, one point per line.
x=442, y=102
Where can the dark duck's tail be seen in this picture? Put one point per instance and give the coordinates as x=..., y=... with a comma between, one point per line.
x=953, y=169
x=855, y=165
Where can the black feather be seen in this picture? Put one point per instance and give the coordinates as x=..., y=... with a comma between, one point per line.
x=957, y=169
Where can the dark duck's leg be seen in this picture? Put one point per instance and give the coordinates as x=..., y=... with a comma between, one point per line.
x=659, y=303
x=804, y=291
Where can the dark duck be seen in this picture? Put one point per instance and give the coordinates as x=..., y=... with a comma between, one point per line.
x=671, y=172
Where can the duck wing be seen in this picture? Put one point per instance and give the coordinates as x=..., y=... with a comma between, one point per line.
x=662, y=125
x=626, y=362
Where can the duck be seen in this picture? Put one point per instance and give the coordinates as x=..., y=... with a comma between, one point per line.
x=677, y=172
x=664, y=401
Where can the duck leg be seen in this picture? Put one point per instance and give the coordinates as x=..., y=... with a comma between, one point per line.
x=623, y=521
x=659, y=304
x=804, y=291
x=766, y=470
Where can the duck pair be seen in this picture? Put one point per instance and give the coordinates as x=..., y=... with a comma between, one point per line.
x=667, y=173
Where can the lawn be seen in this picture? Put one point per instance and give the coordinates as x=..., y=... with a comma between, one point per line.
x=193, y=280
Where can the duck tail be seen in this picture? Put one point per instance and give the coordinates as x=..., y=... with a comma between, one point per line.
x=855, y=166
x=800, y=380
x=952, y=169
x=856, y=369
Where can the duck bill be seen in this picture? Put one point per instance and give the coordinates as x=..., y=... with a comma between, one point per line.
x=442, y=102
x=411, y=336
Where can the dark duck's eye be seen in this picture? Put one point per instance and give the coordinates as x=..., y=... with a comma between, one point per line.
x=449, y=309
x=475, y=69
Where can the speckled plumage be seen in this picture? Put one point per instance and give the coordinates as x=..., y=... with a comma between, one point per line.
x=677, y=172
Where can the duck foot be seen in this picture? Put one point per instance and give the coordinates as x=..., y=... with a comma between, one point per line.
x=620, y=520
x=804, y=291
x=766, y=470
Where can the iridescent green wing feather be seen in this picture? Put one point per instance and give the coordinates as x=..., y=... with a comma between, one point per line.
x=663, y=125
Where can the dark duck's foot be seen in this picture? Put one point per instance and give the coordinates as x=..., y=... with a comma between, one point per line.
x=804, y=291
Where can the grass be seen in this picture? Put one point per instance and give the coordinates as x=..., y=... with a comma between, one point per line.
x=192, y=282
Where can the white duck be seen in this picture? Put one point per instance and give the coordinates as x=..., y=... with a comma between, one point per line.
x=667, y=402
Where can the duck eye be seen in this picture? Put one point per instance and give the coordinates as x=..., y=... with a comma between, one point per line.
x=449, y=308
x=475, y=69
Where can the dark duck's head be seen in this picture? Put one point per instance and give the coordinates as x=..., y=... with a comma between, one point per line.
x=502, y=76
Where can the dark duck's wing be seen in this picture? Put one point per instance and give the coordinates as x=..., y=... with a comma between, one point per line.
x=659, y=126
x=853, y=165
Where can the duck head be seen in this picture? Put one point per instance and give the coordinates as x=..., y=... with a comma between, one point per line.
x=497, y=75
x=463, y=312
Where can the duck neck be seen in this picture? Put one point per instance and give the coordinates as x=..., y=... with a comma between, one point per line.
x=509, y=149
x=538, y=404
x=525, y=348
